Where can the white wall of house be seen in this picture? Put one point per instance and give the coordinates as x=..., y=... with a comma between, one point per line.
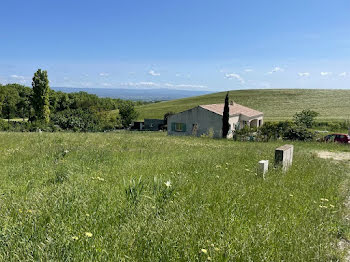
x=198, y=121
x=233, y=120
x=251, y=122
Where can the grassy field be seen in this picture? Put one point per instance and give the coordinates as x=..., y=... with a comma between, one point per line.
x=276, y=104
x=148, y=197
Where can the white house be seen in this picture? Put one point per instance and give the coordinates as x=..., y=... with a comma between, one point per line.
x=205, y=119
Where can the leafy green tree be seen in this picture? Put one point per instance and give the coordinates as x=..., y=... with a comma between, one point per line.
x=9, y=106
x=23, y=107
x=225, y=118
x=166, y=115
x=41, y=99
x=305, y=118
x=127, y=113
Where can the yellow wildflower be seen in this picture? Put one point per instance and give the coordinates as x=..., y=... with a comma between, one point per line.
x=204, y=251
x=88, y=234
x=75, y=238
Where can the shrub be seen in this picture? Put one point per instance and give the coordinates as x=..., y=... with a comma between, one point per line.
x=305, y=118
x=127, y=113
x=298, y=133
x=274, y=130
x=77, y=120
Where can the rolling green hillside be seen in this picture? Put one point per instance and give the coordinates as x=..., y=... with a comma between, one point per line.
x=277, y=104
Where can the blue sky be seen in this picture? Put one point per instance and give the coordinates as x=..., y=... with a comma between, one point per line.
x=202, y=45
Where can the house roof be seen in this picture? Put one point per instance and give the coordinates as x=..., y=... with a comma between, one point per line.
x=235, y=109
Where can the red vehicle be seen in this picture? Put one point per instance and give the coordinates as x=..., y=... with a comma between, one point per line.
x=339, y=138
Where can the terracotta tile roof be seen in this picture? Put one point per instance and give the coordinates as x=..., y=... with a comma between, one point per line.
x=235, y=109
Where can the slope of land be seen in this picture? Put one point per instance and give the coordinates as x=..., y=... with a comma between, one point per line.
x=148, y=197
x=277, y=104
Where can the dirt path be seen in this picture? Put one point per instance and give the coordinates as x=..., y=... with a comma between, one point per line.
x=338, y=156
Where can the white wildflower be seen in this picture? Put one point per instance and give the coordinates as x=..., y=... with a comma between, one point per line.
x=168, y=183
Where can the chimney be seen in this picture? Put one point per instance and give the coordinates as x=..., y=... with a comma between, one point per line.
x=232, y=103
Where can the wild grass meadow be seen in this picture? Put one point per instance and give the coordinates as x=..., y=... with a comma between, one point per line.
x=149, y=197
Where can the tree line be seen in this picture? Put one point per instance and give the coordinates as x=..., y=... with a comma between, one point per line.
x=42, y=107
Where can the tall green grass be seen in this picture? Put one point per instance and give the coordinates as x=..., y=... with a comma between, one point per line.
x=148, y=197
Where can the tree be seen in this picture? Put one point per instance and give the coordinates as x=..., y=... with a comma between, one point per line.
x=127, y=113
x=23, y=107
x=225, y=118
x=9, y=107
x=41, y=99
x=166, y=115
x=305, y=118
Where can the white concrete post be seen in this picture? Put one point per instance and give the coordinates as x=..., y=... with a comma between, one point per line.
x=263, y=167
x=284, y=156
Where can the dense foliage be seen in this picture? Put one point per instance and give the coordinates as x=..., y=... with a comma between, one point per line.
x=305, y=118
x=68, y=111
x=40, y=98
x=127, y=113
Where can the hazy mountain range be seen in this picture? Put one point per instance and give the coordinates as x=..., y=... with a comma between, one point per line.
x=135, y=94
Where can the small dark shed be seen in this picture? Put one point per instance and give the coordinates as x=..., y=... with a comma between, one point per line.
x=137, y=125
x=154, y=124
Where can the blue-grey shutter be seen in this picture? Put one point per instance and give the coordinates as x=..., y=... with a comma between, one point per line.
x=173, y=126
x=183, y=127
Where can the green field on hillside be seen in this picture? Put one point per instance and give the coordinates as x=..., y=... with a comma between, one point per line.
x=148, y=197
x=277, y=104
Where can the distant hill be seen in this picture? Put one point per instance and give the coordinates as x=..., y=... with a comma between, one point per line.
x=277, y=104
x=135, y=94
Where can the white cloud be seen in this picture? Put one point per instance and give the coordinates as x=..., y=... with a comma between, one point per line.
x=248, y=70
x=162, y=85
x=185, y=86
x=153, y=73
x=140, y=84
x=235, y=76
x=106, y=84
x=276, y=69
x=17, y=77
x=104, y=74
x=326, y=73
x=343, y=74
x=304, y=74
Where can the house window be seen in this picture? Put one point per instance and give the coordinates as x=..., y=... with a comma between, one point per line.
x=178, y=127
